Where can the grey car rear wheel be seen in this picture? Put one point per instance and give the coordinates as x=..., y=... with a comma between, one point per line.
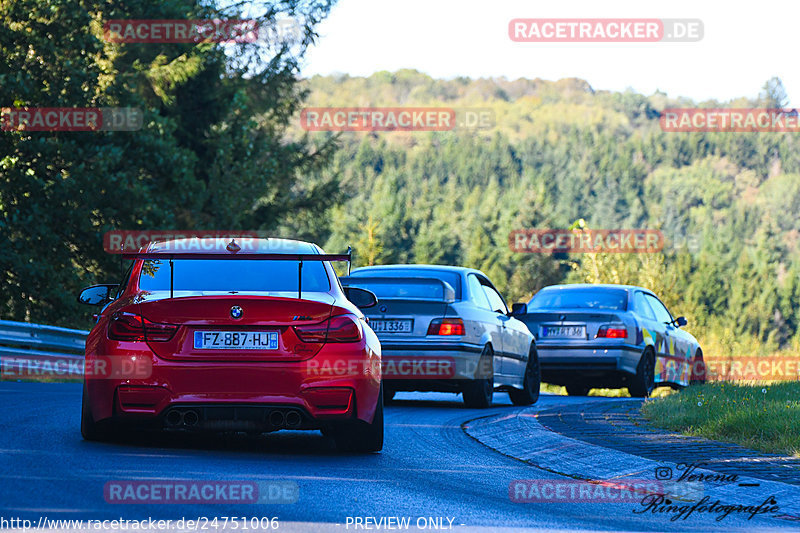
x=529, y=393
x=478, y=392
x=645, y=380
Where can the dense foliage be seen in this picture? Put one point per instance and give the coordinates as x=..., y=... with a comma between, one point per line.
x=212, y=153
x=560, y=152
x=222, y=148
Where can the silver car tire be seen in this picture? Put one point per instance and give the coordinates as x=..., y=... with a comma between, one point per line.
x=478, y=393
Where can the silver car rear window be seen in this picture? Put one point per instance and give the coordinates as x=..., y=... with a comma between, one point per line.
x=588, y=298
x=453, y=278
x=413, y=289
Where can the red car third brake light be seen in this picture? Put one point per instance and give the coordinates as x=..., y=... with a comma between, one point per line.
x=446, y=326
x=612, y=331
x=342, y=328
x=131, y=327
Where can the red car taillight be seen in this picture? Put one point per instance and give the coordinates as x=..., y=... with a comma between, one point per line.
x=612, y=331
x=446, y=326
x=130, y=327
x=342, y=328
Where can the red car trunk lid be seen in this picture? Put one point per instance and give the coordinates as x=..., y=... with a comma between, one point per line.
x=256, y=313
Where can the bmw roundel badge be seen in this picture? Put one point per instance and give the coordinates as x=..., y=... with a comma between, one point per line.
x=236, y=312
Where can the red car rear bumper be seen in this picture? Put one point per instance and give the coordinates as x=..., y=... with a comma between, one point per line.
x=348, y=389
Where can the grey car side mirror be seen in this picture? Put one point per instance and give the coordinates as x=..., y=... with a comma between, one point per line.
x=518, y=309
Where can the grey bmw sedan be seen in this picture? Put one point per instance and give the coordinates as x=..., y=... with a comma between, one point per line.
x=613, y=336
x=445, y=328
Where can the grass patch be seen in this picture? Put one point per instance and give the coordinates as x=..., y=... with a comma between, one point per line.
x=552, y=389
x=761, y=417
x=608, y=393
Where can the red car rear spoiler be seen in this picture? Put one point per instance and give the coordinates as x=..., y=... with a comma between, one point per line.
x=170, y=256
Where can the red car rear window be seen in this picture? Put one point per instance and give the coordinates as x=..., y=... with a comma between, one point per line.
x=233, y=275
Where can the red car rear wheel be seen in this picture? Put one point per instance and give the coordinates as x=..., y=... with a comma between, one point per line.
x=362, y=436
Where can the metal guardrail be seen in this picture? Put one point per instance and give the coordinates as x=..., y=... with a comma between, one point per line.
x=34, y=345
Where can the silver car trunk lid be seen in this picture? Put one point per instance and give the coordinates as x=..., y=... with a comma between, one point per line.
x=406, y=306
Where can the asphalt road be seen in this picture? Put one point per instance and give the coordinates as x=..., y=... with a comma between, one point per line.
x=429, y=468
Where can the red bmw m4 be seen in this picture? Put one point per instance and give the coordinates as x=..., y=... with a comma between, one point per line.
x=248, y=335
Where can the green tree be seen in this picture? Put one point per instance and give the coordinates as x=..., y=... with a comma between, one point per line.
x=212, y=153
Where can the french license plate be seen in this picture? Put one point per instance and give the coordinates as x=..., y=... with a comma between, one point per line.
x=393, y=325
x=236, y=340
x=563, y=332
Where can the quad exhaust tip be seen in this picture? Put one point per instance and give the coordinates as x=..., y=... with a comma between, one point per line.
x=293, y=419
x=191, y=418
x=278, y=418
x=174, y=418
x=177, y=418
x=285, y=419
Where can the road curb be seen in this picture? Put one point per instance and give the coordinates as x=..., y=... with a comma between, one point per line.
x=519, y=435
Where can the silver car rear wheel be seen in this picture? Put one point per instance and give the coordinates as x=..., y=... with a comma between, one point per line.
x=478, y=392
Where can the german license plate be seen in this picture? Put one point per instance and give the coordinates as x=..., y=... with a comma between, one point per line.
x=392, y=325
x=236, y=340
x=563, y=332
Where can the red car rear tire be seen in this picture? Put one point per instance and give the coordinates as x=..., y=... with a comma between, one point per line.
x=90, y=429
x=362, y=436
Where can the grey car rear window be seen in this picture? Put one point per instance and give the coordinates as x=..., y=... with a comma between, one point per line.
x=453, y=278
x=588, y=298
